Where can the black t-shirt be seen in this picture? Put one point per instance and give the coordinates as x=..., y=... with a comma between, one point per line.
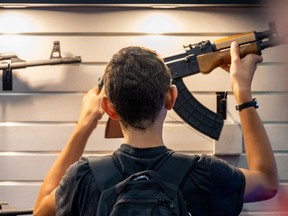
x=212, y=187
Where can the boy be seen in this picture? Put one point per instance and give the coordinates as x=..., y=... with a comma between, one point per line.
x=138, y=92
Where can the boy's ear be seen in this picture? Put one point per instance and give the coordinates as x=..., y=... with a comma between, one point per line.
x=108, y=108
x=171, y=96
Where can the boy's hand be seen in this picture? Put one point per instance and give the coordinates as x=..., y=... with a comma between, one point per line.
x=241, y=73
x=91, y=111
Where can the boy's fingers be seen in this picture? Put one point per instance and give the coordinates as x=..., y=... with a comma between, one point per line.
x=254, y=59
x=97, y=92
x=259, y=59
x=234, y=52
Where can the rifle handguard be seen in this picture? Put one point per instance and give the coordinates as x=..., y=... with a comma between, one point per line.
x=209, y=61
x=243, y=38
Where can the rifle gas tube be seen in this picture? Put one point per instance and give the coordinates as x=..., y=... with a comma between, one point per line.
x=8, y=62
x=204, y=57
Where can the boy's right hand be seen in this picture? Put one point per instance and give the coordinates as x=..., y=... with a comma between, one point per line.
x=91, y=111
x=242, y=73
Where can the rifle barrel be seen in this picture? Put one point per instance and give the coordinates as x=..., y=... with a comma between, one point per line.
x=53, y=61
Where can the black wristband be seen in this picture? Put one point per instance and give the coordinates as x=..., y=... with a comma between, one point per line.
x=252, y=103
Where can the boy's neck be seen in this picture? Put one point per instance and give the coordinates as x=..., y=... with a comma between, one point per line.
x=150, y=137
x=143, y=139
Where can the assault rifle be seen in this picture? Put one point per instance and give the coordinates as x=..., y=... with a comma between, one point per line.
x=204, y=57
x=9, y=61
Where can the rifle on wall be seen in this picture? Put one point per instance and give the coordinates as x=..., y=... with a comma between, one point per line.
x=204, y=57
x=16, y=63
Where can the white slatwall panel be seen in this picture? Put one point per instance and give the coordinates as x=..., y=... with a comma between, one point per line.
x=37, y=118
x=66, y=107
x=42, y=139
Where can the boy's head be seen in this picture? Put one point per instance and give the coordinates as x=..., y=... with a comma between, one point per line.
x=136, y=82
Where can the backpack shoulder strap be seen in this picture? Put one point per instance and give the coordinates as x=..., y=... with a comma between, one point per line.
x=176, y=167
x=105, y=171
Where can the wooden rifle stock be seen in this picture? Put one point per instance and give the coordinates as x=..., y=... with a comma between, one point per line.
x=209, y=61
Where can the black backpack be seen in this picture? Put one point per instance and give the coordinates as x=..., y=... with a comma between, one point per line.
x=146, y=193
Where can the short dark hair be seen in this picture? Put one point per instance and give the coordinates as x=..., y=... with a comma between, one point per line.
x=136, y=81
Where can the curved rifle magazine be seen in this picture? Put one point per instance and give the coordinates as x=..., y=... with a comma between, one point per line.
x=195, y=114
